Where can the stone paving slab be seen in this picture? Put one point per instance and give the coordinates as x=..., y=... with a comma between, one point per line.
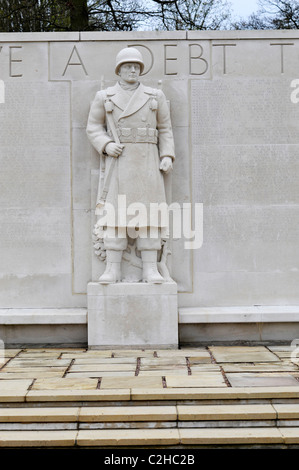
x=165, y=367
x=162, y=372
x=231, y=436
x=104, y=360
x=99, y=374
x=72, y=395
x=219, y=393
x=261, y=380
x=11, y=396
x=131, y=382
x=17, y=370
x=14, y=390
x=242, y=354
x=225, y=412
x=29, y=363
x=30, y=374
x=37, y=438
x=286, y=411
x=102, y=367
x=207, y=379
x=127, y=437
x=260, y=367
x=202, y=368
x=200, y=359
x=15, y=384
x=39, y=415
x=290, y=435
x=66, y=383
x=128, y=413
x=35, y=353
x=197, y=361
x=87, y=355
x=162, y=361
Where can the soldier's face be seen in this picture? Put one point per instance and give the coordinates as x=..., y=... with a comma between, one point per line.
x=129, y=72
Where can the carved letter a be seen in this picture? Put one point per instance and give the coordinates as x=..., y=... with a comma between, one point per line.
x=74, y=50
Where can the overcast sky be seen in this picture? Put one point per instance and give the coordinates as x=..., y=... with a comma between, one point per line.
x=244, y=8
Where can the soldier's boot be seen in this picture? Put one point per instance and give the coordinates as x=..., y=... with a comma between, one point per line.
x=112, y=272
x=150, y=272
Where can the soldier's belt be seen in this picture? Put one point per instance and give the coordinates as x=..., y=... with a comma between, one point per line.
x=138, y=135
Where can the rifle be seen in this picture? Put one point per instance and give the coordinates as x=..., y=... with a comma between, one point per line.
x=101, y=199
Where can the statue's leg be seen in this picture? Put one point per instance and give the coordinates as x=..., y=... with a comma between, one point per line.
x=149, y=247
x=114, y=246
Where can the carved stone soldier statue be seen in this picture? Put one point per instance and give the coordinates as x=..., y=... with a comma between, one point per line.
x=129, y=125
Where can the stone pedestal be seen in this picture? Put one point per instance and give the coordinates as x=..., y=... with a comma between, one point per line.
x=132, y=315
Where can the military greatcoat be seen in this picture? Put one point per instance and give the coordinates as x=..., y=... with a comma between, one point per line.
x=142, y=122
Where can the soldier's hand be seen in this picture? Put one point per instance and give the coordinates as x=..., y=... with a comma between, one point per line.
x=166, y=164
x=114, y=150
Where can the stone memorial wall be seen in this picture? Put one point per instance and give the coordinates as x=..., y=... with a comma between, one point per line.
x=235, y=113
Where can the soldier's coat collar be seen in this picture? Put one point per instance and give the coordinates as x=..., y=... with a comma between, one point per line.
x=120, y=98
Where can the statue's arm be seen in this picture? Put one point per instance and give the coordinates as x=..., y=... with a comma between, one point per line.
x=96, y=124
x=166, y=142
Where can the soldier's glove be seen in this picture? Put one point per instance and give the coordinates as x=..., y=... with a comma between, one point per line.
x=114, y=150
x=166, y=164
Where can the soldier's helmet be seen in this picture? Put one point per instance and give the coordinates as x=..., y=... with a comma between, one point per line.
x=129, y=54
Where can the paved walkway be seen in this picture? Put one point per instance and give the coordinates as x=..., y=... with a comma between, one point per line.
x=215, y=366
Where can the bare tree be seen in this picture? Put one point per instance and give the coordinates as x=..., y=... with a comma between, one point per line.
x=70, y=15
x=281, y=14
x=192, y=14
x=116, y=15
x=272, y=14
x=254, y=21
x=107, y=15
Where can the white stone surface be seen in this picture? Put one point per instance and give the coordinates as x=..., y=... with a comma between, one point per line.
x=39, y=37
x=255, y=314
x=132, y=35
x=24, y=316
x=132, y=315
x=241, y=35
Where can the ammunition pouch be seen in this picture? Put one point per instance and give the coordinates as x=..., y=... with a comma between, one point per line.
x=145, y=135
